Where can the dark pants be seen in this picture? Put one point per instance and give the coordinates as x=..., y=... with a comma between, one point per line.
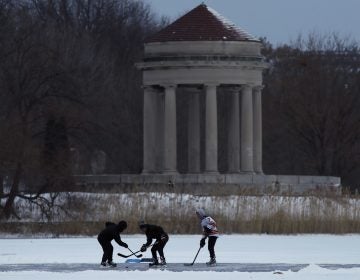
x=211, y=246
x=107, y=249
x=159, y=246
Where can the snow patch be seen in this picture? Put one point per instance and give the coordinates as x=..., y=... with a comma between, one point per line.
x=229, y=25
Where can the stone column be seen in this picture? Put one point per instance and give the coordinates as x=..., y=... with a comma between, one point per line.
x=149, y=127
x=257, y=130
x=194, y=131
x=247, y=159
x=211, y=153
x=234, y=132
x=159, y=137
x=170, y=130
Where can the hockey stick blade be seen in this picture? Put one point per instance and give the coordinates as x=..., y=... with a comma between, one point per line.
x=126, y=256
x=190, y=264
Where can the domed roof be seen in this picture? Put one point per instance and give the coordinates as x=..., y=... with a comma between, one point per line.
x=201, y=24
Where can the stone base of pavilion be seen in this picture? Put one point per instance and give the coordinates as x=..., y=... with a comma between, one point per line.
x=207, y=184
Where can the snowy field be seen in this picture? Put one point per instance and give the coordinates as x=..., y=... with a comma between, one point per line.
x=253, y=257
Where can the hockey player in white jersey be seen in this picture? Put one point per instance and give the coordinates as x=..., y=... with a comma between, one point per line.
x=210, y=231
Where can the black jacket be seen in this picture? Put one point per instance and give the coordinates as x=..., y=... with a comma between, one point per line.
x=112, y=231
x=153, y=232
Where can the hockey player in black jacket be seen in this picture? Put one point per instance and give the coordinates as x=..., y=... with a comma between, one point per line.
x=111, y=231
x=161, y=237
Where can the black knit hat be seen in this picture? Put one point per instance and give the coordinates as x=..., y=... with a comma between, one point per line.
x=142, y=225
x=122, y=225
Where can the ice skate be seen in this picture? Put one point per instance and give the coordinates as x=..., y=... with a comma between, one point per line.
x=111, y=264
x=212, y=262
x=162, y=261
x=154, y=263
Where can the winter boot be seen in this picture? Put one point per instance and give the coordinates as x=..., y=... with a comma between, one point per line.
x=212, y=262
x=103, y=264
x=111, y=263
x=162, y=261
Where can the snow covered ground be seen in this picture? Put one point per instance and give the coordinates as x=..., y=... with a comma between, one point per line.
x=255, y=257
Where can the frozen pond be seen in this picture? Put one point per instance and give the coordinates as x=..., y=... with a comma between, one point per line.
x=238, y=256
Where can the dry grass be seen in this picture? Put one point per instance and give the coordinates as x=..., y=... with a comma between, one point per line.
x=86, y=213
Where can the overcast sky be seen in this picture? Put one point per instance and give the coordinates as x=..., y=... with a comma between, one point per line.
x=277, y=20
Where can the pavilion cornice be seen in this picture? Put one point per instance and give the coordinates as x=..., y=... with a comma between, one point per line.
x=202, y=65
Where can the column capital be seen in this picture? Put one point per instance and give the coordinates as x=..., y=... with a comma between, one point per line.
x=211, y=84
x=171, y=86
x=150, y=88
x=234, y=89
x=246, y=86
x=258, y=87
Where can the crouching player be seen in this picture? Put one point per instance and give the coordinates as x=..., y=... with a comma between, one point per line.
x=111, y=231
x=161, y=237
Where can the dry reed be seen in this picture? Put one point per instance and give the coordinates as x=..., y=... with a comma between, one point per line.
x=86, y=213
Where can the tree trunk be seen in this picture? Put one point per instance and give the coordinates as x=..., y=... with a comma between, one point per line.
x=1, y=185
x=8, y=208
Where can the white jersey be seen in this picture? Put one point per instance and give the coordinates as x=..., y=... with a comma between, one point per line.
x=209, y=227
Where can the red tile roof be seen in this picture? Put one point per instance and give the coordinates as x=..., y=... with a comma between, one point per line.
x=201, y=24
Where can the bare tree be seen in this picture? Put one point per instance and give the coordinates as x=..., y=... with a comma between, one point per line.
x=313, y=91
x=67, y=79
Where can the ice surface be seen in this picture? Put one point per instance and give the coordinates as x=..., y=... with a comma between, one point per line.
x=240, y=257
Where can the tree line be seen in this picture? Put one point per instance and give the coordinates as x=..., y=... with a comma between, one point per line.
x=68, y=87
x=311, y=107
x=70, y=94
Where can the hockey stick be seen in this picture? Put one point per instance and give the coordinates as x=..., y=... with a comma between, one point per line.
x=138, y=256
x=126, y=256
x=133, y=253
x=190, y=264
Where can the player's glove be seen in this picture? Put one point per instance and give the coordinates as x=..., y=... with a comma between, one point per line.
x=143, y=248
x=124, y=245
x=202, y=242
